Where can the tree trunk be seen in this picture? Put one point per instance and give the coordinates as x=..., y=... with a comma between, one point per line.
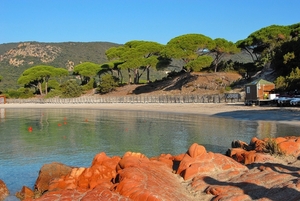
x=129, y=75
x=148, y=74
x=120, y=76
x=46, y=87
x=250, y=54
x=40, y=88
x=136, y=76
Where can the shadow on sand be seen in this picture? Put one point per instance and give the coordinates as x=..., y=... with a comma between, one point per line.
x=276, y=114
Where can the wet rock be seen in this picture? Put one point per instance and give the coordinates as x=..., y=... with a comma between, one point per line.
x=4, y=192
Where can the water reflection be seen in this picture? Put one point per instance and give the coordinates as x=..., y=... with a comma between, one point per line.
x=266, y=129
x=73, y=137
x=2, y=114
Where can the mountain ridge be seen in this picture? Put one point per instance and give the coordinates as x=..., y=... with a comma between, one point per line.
x=17, y=57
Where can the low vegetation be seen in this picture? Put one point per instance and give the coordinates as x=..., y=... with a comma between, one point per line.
x=272, y=147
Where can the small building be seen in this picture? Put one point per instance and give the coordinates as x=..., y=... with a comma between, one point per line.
x=259, y=90
x=2, y=99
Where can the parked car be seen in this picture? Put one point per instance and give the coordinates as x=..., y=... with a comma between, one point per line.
x=295, y=101
x=284, y=101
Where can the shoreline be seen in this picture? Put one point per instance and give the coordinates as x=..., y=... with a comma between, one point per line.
x=189, y=108
x=226, y=110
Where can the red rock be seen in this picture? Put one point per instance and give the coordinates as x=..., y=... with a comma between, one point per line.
x=61, y=195
x=205, y=163
x=103, y=170
x=25, y=193
x=259, y=145
x=280, y=139
x=196, y=150
x=178, y=157
x=49, y=172
x=4, y=192
x=165, y=158
x=226, y=197
x=131, y=159
x=200, y=175
x=103, y=194
x=152, y=181
x=290, y=147
x=237, y=154
x=99, y=158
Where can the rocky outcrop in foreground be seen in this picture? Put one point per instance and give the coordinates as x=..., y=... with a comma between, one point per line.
x=262, y=170
x=3, y=191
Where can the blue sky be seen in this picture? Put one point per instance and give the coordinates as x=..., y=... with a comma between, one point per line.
x=120, y=21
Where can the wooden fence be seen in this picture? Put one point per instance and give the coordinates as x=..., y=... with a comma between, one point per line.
x=215, y=98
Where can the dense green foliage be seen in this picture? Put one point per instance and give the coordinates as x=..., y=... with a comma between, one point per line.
x=108, y=83
x=135, y=56
x=189, y=47
x=87, y=71
x=70, y=89
x=290, y=82
x=222, y=48
x=38, y=75
x=278, y=47
x=19, y=93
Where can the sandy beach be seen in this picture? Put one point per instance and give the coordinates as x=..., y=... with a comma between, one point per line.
x=228, y=110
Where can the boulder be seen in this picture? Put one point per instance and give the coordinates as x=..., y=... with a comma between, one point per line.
x=289, y=145
x=4, y=192
x=49, y=172
x=25, y=193
x=102, y=170
x=150, y=180
x=168, y=159
x=198, y=161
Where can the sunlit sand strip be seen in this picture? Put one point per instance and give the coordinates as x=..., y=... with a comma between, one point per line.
x=190, y=108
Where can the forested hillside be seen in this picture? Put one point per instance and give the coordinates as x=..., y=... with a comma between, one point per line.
x=16, y=57
x=28, y=68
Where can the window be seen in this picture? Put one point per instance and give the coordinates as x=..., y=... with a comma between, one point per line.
x=248, y=90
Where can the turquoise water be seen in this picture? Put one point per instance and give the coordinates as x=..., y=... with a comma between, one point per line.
x=74, y=137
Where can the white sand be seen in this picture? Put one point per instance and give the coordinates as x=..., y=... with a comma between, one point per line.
x=197, y=108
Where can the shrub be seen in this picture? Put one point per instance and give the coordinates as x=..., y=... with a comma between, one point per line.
x=19, y=93
x=228, y=88
x=90, y=85
x=272, y=147
x=70, y=89
x=108, y=83
x=54, y=93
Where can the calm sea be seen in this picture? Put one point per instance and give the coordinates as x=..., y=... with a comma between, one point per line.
x=74, y=137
